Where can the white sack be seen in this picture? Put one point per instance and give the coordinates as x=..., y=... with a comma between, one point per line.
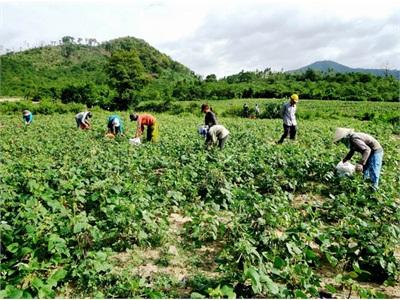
x=135, y=141
x=345, y=169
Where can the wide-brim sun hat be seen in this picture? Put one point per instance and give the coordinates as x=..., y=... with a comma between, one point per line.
x=26, y=112
x=341, y=133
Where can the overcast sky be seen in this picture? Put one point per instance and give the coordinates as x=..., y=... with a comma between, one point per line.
x=221, y=36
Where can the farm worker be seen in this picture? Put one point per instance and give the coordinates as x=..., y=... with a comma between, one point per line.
x=246, y=110
x=82, y=119
x=27, y=117
x=289, y=118
x=148, y=120
x=209, y=119
x=114, y=124
x=217, y=133
x=257, y=110
x=371, y=152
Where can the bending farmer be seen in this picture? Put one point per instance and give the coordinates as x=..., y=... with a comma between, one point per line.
x=217, y=133
x=82, y=119
x=370, y=149
x=27, y=117
x=146, y=120
x=114, y=125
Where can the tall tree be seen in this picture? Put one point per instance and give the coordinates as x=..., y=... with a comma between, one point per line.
x=67, y=39
x=128, y=76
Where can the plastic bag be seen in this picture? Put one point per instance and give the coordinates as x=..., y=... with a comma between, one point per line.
x=135, y=141
x=345, y=169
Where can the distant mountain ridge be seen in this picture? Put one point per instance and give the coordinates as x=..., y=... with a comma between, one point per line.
x=326, y=65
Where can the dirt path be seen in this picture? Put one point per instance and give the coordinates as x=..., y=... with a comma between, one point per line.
x=10, y=99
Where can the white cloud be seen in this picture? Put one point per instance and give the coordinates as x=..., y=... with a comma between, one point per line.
x=221, y=36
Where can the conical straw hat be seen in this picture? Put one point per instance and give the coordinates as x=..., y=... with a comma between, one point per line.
x=341, y=133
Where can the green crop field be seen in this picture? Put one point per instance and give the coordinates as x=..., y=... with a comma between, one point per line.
x=86, y=216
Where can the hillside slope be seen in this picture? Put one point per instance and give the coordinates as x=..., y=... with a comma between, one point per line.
x=54, y=67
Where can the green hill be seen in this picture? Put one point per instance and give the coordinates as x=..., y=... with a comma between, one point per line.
x=50, y=69
x=328, y=65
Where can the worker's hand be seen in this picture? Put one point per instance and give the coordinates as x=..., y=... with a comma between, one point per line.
x=359, y=168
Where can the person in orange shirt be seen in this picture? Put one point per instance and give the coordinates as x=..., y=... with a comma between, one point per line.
x=146, y=120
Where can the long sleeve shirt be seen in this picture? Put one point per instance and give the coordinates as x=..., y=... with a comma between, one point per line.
x=364, y=144
x=210, y=119
x=81, y=117
x=215, y=133
x=114, y=121
x=28, y=119
x=289, y=114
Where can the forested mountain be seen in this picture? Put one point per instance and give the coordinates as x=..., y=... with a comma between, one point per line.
x=48, y=71
x=328, y=65
x=123, y=72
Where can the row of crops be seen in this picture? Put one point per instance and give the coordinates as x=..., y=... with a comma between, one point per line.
x=86, y=216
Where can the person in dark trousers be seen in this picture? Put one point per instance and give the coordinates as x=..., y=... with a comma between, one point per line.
x=83, y=119
x=216, y=134
x=289, y=118
x=27, y=117
x=371, y=152
x=114, y=125
x=246, y=110
x=146, y=120
x=209, y=119
x=257, y=110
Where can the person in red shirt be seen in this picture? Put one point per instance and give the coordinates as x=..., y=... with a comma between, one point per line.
x=146, y=120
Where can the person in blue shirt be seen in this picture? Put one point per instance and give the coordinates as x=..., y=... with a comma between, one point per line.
x=27, y=117
x=115, y=125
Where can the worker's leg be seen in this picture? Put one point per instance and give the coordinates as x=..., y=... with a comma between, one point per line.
x=149, y=133
x=375, y=168
x=285, y=133
x=221, y=142
x=293, y=131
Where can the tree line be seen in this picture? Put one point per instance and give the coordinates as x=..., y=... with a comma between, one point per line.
x=129, y=84
x=126, y=72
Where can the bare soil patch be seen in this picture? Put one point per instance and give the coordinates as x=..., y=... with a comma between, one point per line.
x=328, y=275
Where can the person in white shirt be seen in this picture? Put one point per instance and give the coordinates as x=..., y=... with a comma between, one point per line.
x=217, y=134
x=289, y=119
x=257, y=110
x=82, y=119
